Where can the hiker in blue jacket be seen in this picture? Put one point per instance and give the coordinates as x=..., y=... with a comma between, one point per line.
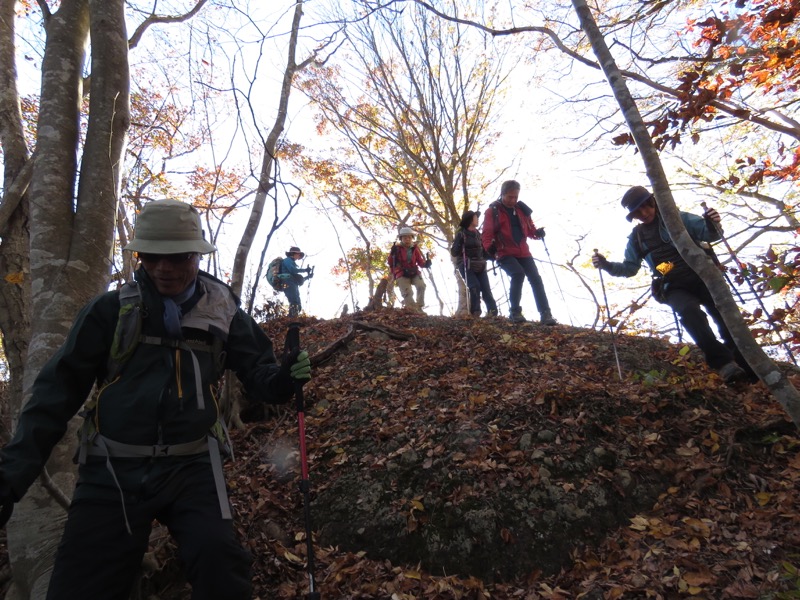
x=674, y=282
x=152, y=438
x=292, y=279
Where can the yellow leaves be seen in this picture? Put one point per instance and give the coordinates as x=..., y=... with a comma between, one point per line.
x=292, y=558
x=763, y=498
x=417, y=505
x=15, y=278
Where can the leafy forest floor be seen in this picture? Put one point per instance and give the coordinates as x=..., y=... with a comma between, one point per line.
x=460, y=458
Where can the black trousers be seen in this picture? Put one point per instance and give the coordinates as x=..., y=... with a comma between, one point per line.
x=686, y=298
x=98, y=559
x=478, y=285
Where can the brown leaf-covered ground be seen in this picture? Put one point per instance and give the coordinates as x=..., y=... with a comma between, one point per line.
x=462, y=458
x=517, y=431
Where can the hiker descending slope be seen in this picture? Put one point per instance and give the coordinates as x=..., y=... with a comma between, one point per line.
x=507, y=225
x=674, y=282
x=291, y=279
x=470, y=258
x=152, y=437
x=405, y=262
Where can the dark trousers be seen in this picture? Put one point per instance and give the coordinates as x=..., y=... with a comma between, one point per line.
x=98, y=559
x=478, y=285
x=517, y=270
x=686, y=298
x=292, y=291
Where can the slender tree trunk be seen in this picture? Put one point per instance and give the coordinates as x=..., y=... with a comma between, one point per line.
x=36, y=527
x=266, y=180
x=765, y=368
x=14, y=259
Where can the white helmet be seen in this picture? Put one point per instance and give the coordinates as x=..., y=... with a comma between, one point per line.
x=405, y=231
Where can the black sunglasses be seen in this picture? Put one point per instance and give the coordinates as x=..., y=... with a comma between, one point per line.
x=175, y=259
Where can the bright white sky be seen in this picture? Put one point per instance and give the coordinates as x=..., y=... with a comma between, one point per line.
x=572, y=182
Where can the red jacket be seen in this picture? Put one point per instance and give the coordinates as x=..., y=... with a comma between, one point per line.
x=500, y=232
x=400, y=264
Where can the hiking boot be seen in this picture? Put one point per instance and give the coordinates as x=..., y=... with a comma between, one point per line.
x=492, y=312
x=547, y=319
x=732, y=373
x=516, y=316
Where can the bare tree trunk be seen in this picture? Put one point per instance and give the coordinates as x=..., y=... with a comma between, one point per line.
x=14, y=259
x=70, y=239
x=266, y=180
x=769, y=373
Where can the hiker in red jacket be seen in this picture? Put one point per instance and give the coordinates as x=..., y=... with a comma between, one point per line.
x=507, y=225
x=405, y=262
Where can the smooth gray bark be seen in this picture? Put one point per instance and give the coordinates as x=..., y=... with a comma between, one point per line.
x=764, y=367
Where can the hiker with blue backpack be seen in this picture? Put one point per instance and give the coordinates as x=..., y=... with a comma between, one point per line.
x=291, y=279
x=153, y=438
x=507, y=226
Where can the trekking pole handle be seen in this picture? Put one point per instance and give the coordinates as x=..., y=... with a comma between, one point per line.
x=292, y=347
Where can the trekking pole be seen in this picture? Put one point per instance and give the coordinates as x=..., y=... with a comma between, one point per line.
x=610, y=325
x=505, y=287
x=467, y=300
x=558, y=283
x=291, y=348
x=678, y=327
x=750, y=285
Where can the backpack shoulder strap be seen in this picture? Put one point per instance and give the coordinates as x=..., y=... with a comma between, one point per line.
x=128, y=330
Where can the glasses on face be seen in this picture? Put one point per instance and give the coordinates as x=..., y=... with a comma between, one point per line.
x=174, y=259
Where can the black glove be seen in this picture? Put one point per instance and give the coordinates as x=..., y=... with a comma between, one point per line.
x=492, y=250
x=307, y=269
x=310, y=275
x=599, y=261
x=539, y=233
x=6, y=502
x=296, y=367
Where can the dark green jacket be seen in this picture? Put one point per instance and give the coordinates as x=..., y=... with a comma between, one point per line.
x=152, y=401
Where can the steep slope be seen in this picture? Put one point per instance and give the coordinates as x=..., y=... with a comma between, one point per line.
x=477, y=459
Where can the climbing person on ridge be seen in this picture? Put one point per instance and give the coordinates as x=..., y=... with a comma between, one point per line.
x=674, y=282
x=292, y=279
x=507, y=225
x=470, y=258
x=405, y=262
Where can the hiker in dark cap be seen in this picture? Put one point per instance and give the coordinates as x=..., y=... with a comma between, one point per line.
x=674, y=282
x=469, y=255
x=292, y=279
x=153, y=437
x=507, y=226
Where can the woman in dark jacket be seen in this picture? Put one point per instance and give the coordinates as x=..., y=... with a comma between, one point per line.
x=467, y=247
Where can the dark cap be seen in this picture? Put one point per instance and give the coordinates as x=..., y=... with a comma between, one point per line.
x=295, y=250
x=634, y=198
x=466, y=218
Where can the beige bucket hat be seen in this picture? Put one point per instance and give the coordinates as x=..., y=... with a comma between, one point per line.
x=169, y=227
